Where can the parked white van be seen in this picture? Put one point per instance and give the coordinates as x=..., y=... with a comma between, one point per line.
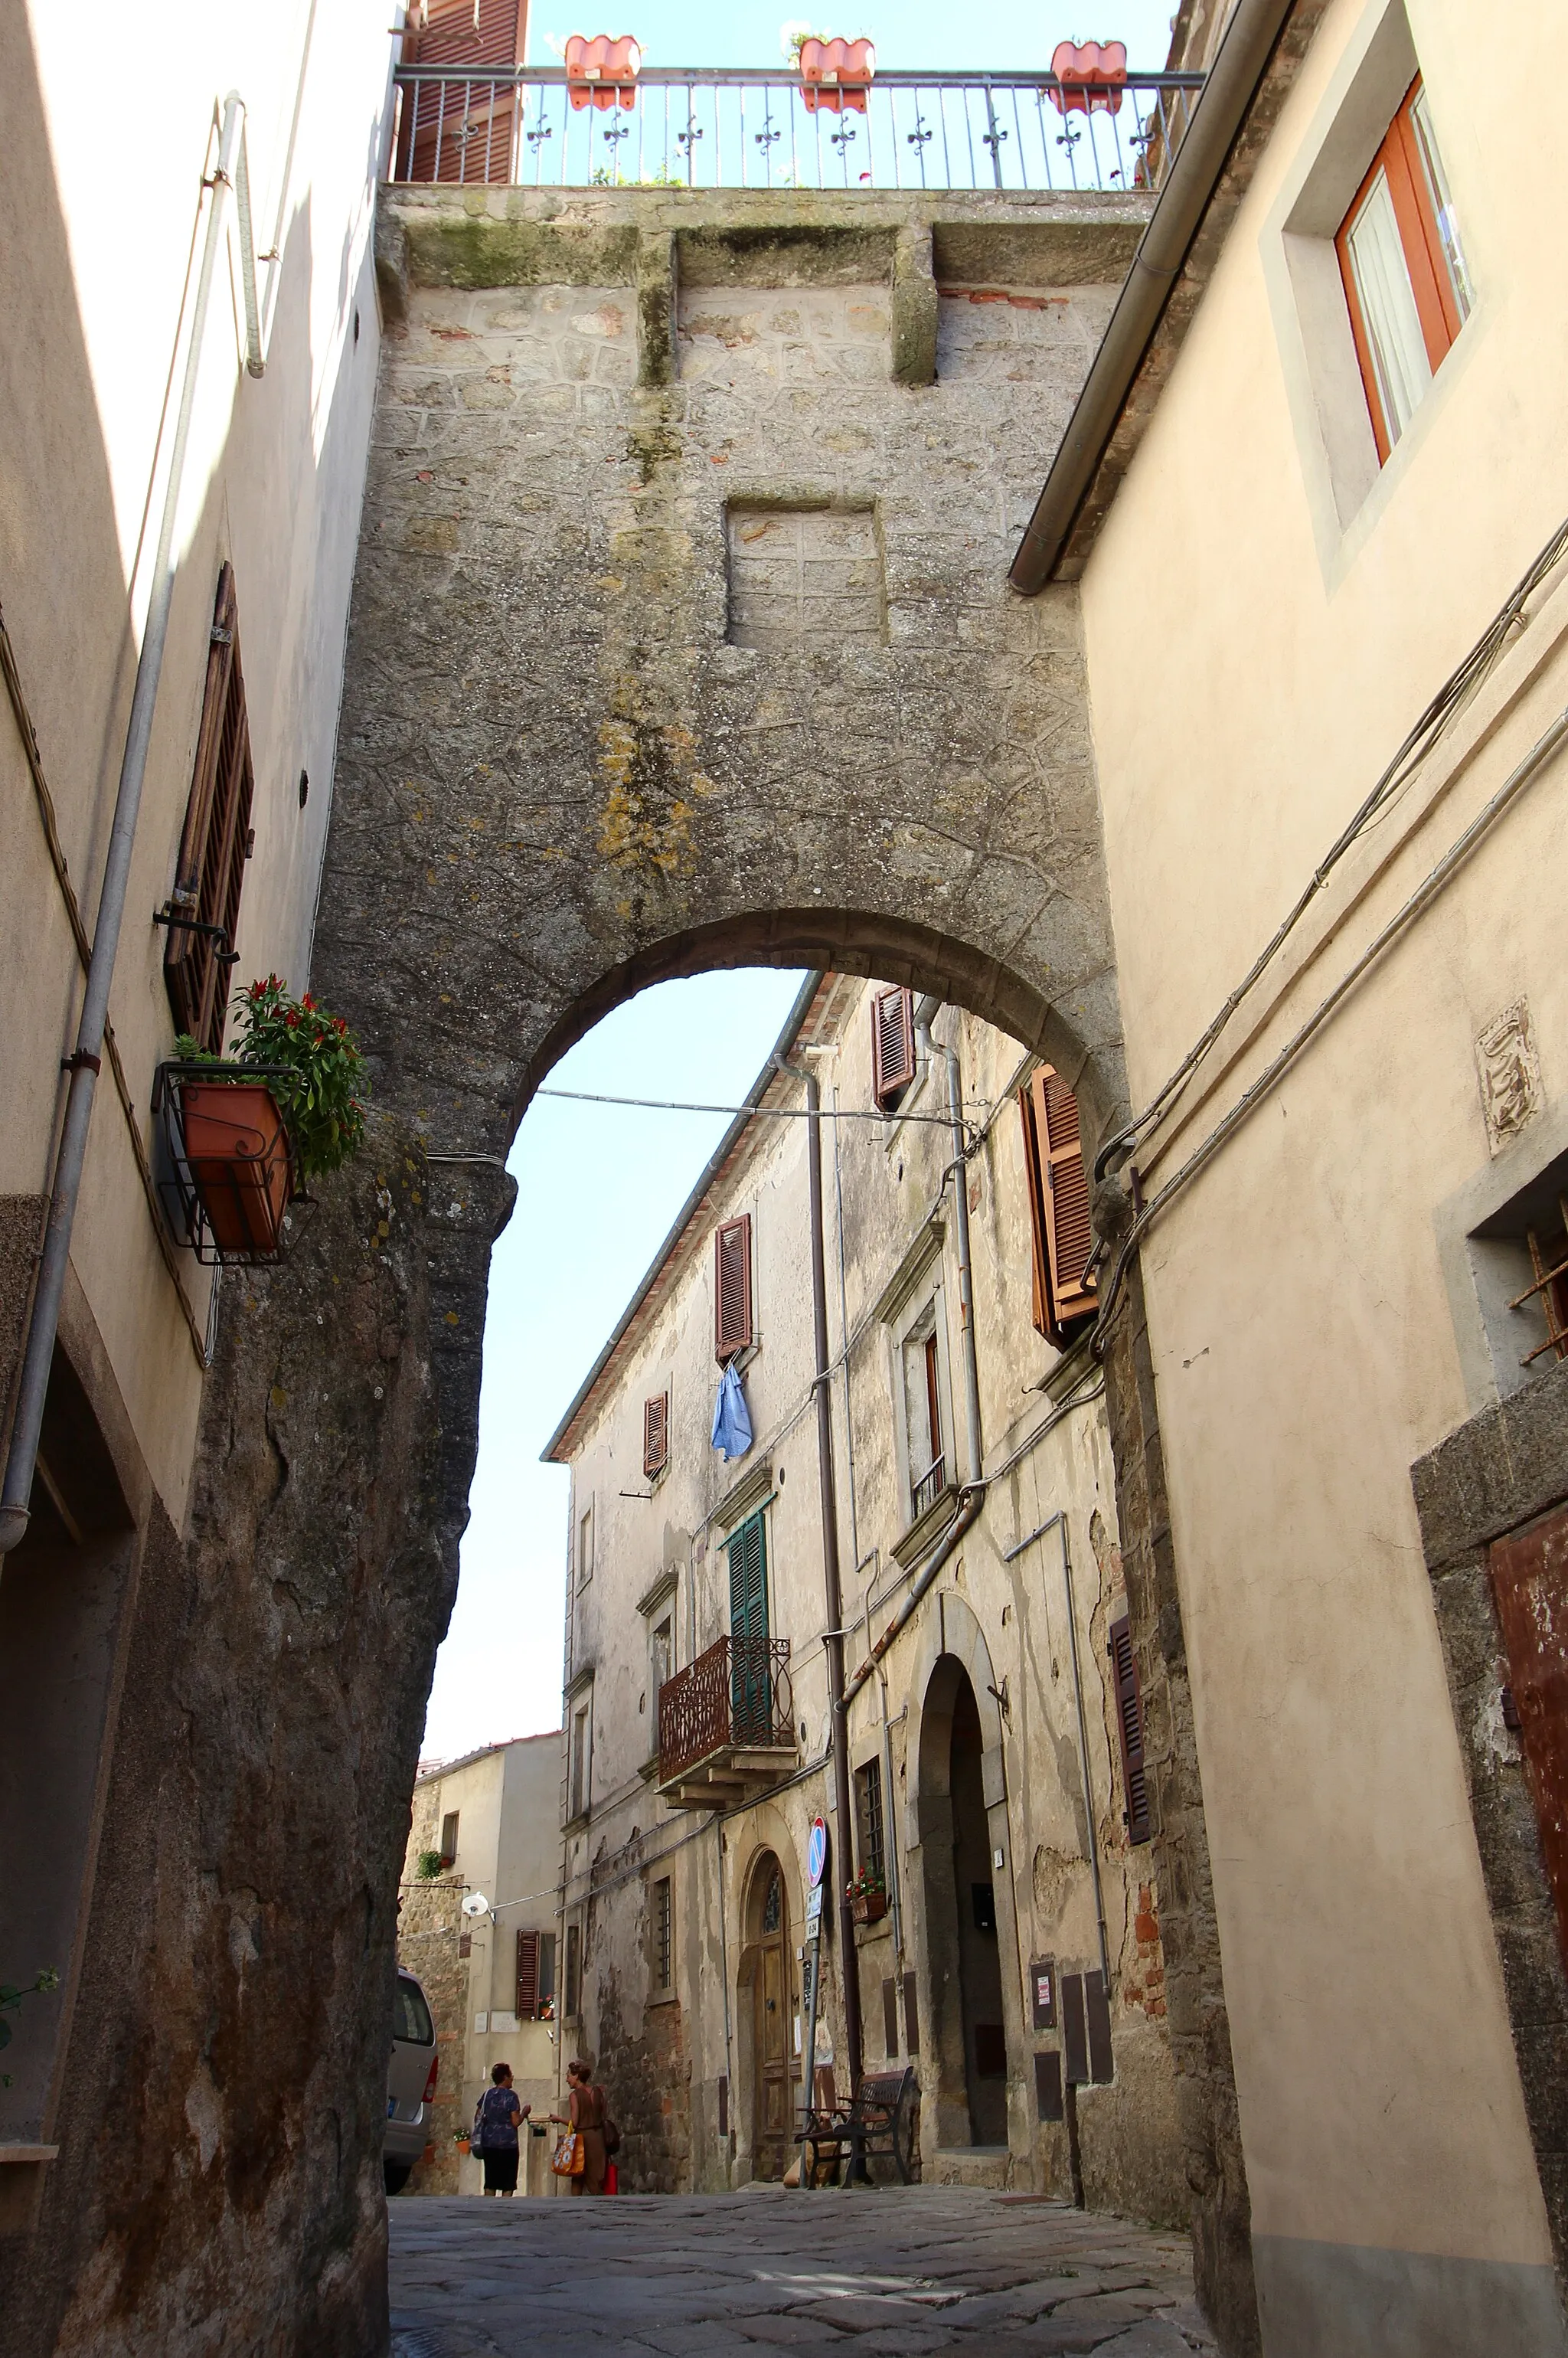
x=410, y=2082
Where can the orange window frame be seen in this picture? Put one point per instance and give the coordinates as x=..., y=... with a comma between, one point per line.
x=1437, y=306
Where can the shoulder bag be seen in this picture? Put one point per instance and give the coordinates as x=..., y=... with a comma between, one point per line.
x=567, y=2159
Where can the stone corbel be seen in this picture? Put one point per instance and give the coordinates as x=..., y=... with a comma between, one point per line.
x=913, y=308
x=655, y=308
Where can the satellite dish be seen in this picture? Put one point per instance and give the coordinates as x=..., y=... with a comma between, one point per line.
x=476, y=1904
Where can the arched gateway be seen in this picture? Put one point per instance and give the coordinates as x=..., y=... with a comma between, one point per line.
x=680, y=640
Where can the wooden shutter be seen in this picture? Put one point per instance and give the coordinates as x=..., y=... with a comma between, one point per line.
x=1059, y=1205
x=216, y=839
x=890, y=2020
x=527, y=1977
x=1529, y=1583
x=655, y=1434
x=461, y=130
x=732, y=1287
x=892, y=1045
x=1129, y=1730
x=749, y=1580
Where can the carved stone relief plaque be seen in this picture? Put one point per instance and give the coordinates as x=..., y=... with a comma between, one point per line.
x=1509, y=1071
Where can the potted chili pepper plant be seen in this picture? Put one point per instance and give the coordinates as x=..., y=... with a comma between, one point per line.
x=287, y=1107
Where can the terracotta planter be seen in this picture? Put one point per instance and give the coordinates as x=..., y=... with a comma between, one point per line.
x=869, y=1907
x=462, y=2144
x=836, y=74
x=237, y=1153
x=602, y=72
x=1095, y=75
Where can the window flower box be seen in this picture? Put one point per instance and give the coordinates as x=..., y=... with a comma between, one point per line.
x=836, y=74
x=238, y=1137
x=231, y=1173
x=869, y=1907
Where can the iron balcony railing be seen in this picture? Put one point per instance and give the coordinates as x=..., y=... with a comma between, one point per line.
x=716, y=128
x=929, y=1489
x=737, y=1695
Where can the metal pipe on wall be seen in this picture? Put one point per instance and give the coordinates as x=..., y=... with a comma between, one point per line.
x=833, y=1636
x=84, y=1062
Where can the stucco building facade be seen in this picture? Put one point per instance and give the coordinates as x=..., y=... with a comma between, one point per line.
x=486, y=1826
x=1013, y=1953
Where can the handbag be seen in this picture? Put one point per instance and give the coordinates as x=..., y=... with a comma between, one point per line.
x=569, y=2158
x=476, y=2135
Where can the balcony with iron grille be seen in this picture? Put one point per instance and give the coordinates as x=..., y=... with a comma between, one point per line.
x=727, y=1725
x=1085, y=125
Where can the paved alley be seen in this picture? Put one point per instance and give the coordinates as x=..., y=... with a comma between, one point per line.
x=897, y=2271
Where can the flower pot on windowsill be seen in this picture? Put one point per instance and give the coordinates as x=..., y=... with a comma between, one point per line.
x=869, y=1907
x=237, y=1151
x=462, y=2143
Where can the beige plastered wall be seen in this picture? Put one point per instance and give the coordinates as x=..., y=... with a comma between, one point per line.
x=507, y=1801
x=1254, y=663
x=114, y=121
x=890, y=1175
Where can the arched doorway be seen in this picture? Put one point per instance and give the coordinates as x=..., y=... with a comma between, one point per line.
x=963, y=1953
x=768, y=2021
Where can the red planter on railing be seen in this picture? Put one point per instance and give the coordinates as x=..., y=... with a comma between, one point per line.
x=236, y=1149
x=1095, y=73
x=602, y=72
x=836, y=74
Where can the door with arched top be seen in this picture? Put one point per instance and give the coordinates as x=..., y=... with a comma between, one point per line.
x=773, y=2015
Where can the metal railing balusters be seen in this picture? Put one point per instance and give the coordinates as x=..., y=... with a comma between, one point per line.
x=1026, y=126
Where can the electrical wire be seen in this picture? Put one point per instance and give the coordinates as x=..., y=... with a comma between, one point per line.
x=767, y=1112
x=1431, y=884
x=1456, y=690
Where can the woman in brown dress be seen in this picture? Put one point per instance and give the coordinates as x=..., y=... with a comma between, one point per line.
x=586, y=2115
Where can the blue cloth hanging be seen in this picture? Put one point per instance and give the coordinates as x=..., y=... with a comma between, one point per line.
x=731, y=1417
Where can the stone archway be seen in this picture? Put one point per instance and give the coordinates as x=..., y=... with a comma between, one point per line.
x=564, y=773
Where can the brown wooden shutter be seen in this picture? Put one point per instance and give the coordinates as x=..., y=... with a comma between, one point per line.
x=892, y=1044
x=527, y=1977
x=1529, y=1582
x=1060, y=1200
x=732, y=1287
x=216, y=840
x=1129, y=1730
x=655, y=1434
x=1040, y=1300
x=461, y=130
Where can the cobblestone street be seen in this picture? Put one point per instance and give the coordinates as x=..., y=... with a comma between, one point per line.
x=901, y=2272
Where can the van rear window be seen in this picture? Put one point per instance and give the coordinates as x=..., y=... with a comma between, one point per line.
x=411, y=2018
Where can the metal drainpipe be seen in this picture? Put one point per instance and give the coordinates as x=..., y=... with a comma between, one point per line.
x=974, y=1445
x=833, y=1636
x=84, y=1062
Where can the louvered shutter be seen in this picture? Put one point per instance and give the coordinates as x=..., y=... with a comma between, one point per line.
x=732, y=1287
x=655, y=1434
x=461, y=130
x=215, y=842
x=1063, y=1203
x=527, y=1977
x=892, y=1044
x=1040, y=1291
x=1129, y=1730
x=748, y=1581
x=750, y=1684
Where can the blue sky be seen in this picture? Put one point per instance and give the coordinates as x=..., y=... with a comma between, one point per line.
x=597, y=1189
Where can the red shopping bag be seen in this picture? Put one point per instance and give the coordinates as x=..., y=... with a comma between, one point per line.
x=611, y=2179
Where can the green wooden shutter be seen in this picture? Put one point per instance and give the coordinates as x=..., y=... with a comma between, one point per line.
x=749, y=1684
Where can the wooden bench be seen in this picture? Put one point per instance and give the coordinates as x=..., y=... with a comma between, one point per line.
x=879, y=2120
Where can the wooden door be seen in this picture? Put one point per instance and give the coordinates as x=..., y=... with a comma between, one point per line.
x=1529, y=1582
x=772, y=2039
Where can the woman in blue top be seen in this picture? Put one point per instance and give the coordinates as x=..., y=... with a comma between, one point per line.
x=497, y=2118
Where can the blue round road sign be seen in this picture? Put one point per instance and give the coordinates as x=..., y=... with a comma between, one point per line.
x=816, y=1852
